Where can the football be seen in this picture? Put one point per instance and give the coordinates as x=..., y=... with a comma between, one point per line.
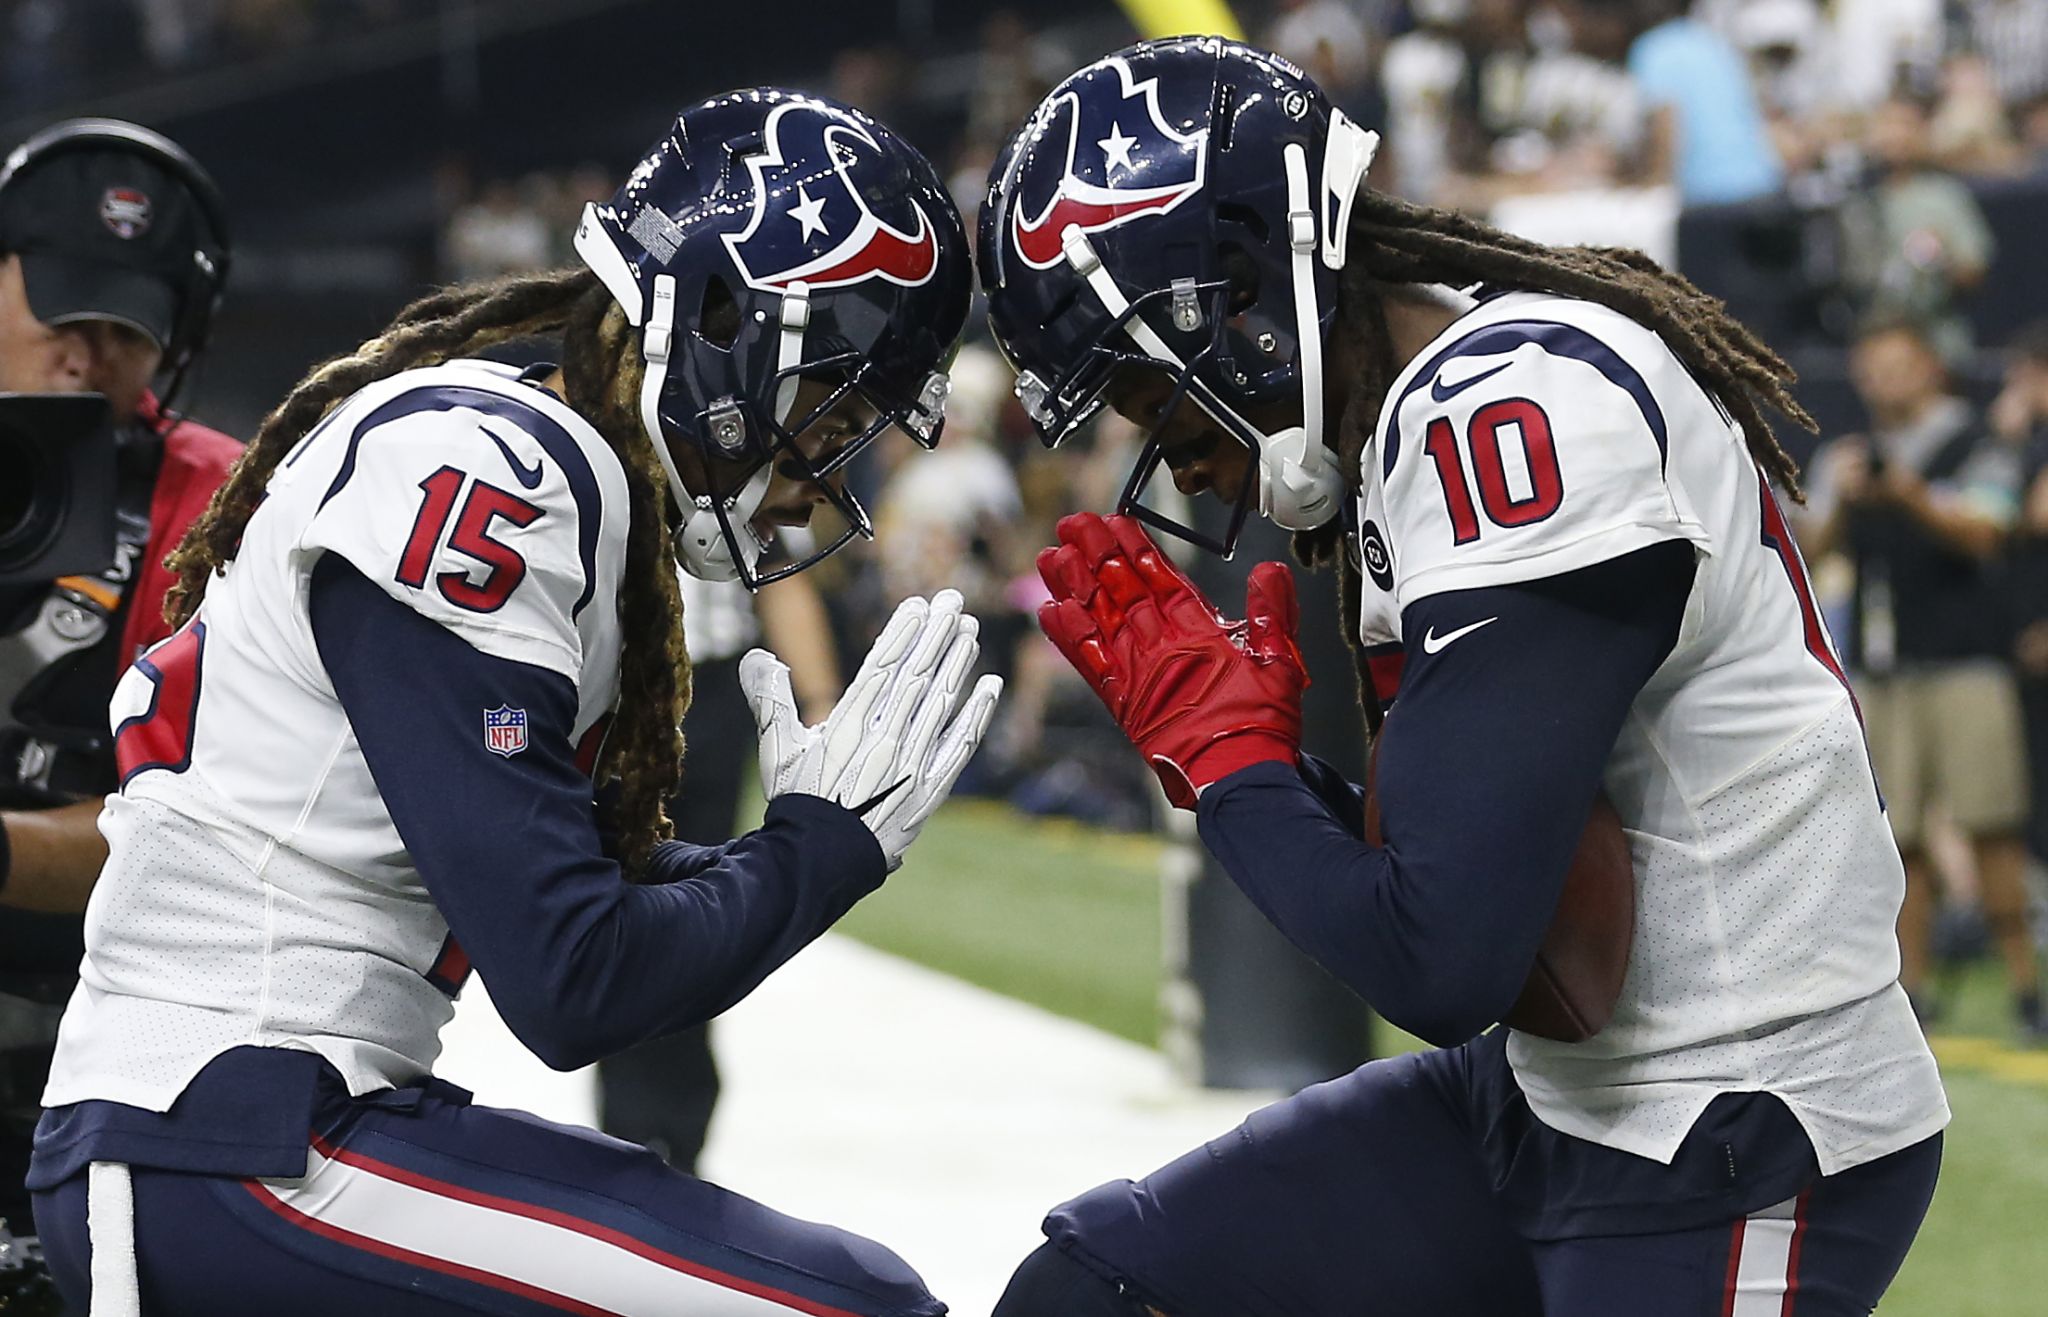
x=1571, y=990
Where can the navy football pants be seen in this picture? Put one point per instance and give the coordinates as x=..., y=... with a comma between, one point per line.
x=450, y=1208
x=1386, y=1193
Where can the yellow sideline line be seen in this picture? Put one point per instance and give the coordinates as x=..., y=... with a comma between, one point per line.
x=1992, y=1057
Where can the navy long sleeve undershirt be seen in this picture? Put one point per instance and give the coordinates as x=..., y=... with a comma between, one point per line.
x=579, y=962
x=1488, y=766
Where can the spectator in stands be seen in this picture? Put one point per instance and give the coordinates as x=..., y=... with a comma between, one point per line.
x=256, y=26
x=1495, y=34
x=949, y=518
x=1883, y=46
x=1922, y=507
x=1424, y=72
x=41, y=51
x=2030, y=123
x=1971, y=131
x=1017, y=63
x=1706, y=130
x=1782, y=39
x=2019, y=414
x=1330, y=39
x=2019, y=418
x=1577, y=123
x=874, y=77
x=1509, y=114
x=2011, y=36
x=504, y=230
x=1792, y=61
x=584, y=183
x=175, y=33
x=1916, y=240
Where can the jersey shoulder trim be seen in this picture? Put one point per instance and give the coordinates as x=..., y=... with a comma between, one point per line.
x=482, y=393
x=1555, y=337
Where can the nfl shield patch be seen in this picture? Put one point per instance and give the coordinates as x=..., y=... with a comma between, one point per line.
x=505, y=730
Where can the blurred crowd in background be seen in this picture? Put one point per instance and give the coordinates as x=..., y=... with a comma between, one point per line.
x=1571, y=120
x=1868, y=132
x=105, y=44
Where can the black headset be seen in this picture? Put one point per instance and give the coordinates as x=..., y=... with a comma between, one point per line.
x=208, y=279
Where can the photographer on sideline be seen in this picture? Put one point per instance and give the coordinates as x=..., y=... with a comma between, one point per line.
x=1924, y=507
x=113, y=250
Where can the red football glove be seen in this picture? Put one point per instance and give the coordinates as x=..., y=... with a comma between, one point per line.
x=1200, y=696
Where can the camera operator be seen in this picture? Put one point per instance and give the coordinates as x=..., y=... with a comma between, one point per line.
x=113, y=250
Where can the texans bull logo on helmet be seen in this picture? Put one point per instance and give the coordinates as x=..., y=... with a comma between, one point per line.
x=818, y=224
x=1111, y=145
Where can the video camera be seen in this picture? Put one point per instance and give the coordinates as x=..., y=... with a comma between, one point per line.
x=57, y=486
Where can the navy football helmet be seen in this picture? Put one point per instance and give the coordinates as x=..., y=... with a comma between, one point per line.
x=1180, y=207
x=844, y=258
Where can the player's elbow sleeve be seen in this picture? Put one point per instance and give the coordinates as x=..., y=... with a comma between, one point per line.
x=1439, y=1023
x=1454, y=1001
x=561, y=1041
x=561, y=1015
x=1440, y=1027
x=565, y=1055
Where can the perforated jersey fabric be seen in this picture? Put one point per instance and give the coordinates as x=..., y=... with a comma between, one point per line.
x=1538, y=435
x=257, y=892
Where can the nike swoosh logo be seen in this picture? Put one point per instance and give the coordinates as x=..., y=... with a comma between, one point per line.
x=1444, y=393
x=1432, y=643
x=528, y=476
x=862, y=809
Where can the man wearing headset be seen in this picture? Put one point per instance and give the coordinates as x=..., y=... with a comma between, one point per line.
x=113, y=250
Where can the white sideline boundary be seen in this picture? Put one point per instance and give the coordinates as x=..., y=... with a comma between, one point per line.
x=900, y=1103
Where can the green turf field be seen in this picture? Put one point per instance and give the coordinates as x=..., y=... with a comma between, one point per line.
x=1068, y=918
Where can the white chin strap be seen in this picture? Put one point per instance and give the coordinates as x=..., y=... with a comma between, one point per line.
x=702, y=548
x=1300, y=487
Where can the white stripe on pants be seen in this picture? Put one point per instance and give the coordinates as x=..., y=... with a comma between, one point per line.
x=1764, y=1253
x=587, y=1271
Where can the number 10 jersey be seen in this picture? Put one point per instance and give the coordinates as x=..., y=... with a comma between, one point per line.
x=1542, y=434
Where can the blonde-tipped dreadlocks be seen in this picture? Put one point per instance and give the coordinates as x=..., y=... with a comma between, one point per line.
x=601, y=376
x=1394, y=242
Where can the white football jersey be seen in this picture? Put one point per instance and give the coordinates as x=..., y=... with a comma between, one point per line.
x=257, y=892
x=1541, y=434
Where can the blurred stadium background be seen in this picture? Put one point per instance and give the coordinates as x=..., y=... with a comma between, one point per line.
x=370, y=148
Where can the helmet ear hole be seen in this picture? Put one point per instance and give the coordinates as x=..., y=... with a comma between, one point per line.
x=718, y=316
x=1243, y=274
x=1064, y=303
x=1232, y=212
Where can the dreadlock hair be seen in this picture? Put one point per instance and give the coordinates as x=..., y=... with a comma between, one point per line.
x=643, y=750
x=1393, y=242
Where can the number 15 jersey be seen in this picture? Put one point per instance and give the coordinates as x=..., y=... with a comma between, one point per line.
x=1541, y=434
x=257, y=892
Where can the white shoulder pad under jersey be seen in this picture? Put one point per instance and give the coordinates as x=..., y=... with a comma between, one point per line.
x=479, y=501
x=1530, y=439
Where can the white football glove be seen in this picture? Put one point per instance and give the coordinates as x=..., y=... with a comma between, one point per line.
x=887, y=751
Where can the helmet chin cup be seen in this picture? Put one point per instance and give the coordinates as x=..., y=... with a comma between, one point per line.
x=1298, y=485
x=709, y=532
